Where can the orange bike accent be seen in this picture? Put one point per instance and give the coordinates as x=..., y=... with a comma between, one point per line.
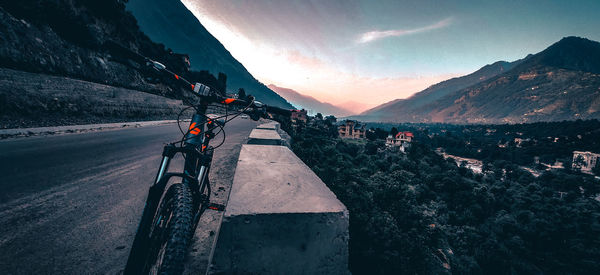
x=228, y=100
x=193, y=129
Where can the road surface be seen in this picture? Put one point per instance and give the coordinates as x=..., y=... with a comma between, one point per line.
x=70, y=204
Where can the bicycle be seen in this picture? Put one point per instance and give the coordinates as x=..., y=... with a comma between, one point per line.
x=170, y=217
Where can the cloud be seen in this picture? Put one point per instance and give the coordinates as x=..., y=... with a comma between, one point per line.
x=309, y=74
x=376, y=35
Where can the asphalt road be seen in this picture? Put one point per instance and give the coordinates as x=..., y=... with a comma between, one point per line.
x=70, y=204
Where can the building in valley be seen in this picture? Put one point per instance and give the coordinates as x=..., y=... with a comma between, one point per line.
x=299, y=115
x=585, y=161
x=401, y=140
x=352, y=129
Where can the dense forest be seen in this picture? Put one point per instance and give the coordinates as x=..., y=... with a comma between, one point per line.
x=417, y=213
x=516, y=143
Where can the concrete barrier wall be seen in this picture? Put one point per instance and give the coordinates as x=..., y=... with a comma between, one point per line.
x=280, y=219
x=264, y=137
x=269, y=126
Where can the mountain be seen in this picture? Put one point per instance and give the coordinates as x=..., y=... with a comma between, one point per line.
x=66, y=37
x=309, y=103
x=559, y=83
x=356, y=106
x=171, y=23
x=402, y=109
x=56, y=68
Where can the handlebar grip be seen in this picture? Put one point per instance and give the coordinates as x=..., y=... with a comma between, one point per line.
x=278, y=111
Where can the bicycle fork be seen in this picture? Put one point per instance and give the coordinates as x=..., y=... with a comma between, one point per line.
x=140, y=246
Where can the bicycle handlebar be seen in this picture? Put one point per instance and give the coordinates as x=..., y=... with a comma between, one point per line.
x=204, y=92
x=279, y=111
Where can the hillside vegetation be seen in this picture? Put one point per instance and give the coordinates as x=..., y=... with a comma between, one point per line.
x=420, y=214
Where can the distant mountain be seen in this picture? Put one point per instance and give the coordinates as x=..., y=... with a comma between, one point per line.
x=560, y=83
x=309, y=103
x=356, y=106
x=171, y=23
x=403, y=109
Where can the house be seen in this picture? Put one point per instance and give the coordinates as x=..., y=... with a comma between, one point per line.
x=299, y=115
x=585, y=161
x=352, y=129
x=519, y=141
x=401, y=140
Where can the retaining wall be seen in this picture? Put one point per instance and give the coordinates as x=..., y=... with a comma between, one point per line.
x=280, y=218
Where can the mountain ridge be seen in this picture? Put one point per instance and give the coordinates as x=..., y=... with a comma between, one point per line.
x=309, y=103
x=171, y=23
x=441, y=89
x=561, y=82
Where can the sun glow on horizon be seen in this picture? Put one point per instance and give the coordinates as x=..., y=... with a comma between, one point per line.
x=308, y=74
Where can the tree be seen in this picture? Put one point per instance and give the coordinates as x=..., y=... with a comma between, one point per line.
x=596, y=169
x=380, y=133
x=411, y=213
x=241, y=93
x=222, y=80
x=394, y=131
x=370, y=134
x=331, y=119
x=579, y=162
x=319, y=116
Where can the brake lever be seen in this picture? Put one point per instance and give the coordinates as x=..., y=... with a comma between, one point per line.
x=156, y=65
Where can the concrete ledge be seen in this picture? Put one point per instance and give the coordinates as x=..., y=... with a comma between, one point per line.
x=269, y=126
x=264, y=137
x=280, y=219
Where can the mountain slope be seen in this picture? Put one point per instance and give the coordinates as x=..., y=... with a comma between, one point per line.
x=402, y=109
x=560, y=83
x=66, y=37
x=171, y=23
x=56, y=70
x=309, y=103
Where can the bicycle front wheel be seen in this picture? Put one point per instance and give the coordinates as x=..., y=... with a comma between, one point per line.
x=172, y=232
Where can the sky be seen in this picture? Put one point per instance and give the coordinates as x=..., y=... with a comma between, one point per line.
x=375, y=51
